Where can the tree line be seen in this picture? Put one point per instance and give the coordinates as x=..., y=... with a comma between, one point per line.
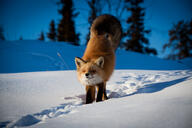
x=134, y=37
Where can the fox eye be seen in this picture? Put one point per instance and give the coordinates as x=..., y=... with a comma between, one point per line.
x=93, y=71
x=83, y=71
x=106, y=36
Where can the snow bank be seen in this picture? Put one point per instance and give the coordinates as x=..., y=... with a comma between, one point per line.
x=30, y=56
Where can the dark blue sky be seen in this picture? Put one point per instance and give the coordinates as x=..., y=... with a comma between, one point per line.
x=27, y=18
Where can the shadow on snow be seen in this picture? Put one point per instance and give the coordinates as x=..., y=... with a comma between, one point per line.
x=151, y=88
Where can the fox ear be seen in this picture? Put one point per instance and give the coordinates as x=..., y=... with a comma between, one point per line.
x=100, y=62
x=79, y=62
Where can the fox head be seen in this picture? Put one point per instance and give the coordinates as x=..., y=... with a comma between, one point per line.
x=90, y=73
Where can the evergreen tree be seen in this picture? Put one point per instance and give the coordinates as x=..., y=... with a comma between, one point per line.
x=136, y=32
x=180, y=40
x=66, y=28
x=2, y=37
x=42, y=37
x=92, y=15
x=52, y=32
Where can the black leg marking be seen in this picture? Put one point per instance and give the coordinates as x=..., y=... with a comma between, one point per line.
x=100, y=92
x=90, y=95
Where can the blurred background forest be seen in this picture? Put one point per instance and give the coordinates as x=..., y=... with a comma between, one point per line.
x=156, y=27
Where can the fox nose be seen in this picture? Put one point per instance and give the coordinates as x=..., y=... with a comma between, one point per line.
x=86, y=74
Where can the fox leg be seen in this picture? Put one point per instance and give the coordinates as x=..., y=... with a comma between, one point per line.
x=90, y=94
x=100, y=91
x=104, y=92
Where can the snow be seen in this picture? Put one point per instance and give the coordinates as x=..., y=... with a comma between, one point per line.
x=138, y=111
x=32, y=56
x=39, y=89
x=187, y=62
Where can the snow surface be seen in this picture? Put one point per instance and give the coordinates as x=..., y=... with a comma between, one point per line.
x=148, y=93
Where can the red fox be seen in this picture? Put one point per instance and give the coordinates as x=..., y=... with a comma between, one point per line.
x=97, y=64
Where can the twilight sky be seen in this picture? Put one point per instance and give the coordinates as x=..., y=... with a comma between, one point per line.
x=27, y=18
